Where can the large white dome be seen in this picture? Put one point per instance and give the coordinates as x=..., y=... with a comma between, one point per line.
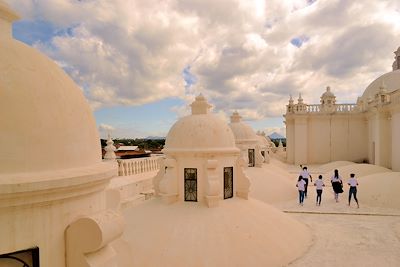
x=241, y=130
x=390, y=80
x=200, y=131
x=46, y=123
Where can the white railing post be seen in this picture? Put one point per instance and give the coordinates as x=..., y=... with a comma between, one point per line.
x=137, y=165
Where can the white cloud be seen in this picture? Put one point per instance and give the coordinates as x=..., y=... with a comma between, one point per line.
x=133, y=52
x=106, y=128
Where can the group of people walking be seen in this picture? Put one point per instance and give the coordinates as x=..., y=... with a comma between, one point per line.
x=337, y=186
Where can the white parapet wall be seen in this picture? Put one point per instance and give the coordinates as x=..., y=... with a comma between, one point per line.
x=135, y=179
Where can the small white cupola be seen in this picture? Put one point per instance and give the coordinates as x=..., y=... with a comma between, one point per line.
x=202, y=162
x=328, y=101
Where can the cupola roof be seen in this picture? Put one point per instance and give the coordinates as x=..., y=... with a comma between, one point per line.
x=200, y=132
x=241, y=130
x=46, y=123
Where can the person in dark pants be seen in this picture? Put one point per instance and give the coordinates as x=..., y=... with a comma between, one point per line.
x=300, y=186
x=353, y=183
x=319, y=184
x=305, y=174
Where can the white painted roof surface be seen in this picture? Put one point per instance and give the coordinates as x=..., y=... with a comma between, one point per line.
x=390, y=80
x=201, y=131
x=262, y=141
x=237, y=233
x=241, y=130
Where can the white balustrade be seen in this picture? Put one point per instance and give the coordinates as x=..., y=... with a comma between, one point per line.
x=345, y=107
x=313, y=108
x=137, y=165
x=342, y=108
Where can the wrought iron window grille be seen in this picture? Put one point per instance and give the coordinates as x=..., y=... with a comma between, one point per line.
x=16, y=256
x=190, y=176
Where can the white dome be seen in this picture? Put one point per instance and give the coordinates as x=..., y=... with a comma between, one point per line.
x=200, y=132
x=262, y=141
x=390, y=81
x=242, y=131
x=46, y=122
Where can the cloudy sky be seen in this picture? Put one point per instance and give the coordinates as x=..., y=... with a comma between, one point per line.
x=141, y=62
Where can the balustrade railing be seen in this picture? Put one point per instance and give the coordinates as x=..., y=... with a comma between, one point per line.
x=138, y=165
x=314, y=108
x=342, y=108
x=393, y=99
x=345, y=107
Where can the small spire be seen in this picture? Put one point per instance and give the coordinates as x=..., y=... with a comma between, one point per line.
x=328, y=88
x=300, y=100
x=200, y=105
x=235, y=117
x=290, y=100
x=110, y=149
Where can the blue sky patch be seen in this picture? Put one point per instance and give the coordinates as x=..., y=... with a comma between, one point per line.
x=190, y=78
x=299, y=41
x=141, y=121
x=33, y=31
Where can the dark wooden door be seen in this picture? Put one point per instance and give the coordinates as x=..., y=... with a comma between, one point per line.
x=228, y=182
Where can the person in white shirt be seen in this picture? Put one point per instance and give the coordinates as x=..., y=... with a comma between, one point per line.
x=319, y=184
x=337, y=184
x=305, y=174
x=353, y=188
x=301, y=187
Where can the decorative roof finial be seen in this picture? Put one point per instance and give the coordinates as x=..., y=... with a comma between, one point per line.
x=110, y=149
x=235, y=117
x=291, y=100
x=300, y=100
x=200, y=105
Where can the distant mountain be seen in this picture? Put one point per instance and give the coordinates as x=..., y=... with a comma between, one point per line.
x=275, y=135
x=154, y=138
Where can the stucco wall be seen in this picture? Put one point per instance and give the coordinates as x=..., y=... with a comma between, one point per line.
x=319, y=136
x=200, y=163
x=385, y=140
x=290, y=140
x=380, y=139
x=358, y=138
x=340, y=138
x=300, y=143
x=395, y=141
